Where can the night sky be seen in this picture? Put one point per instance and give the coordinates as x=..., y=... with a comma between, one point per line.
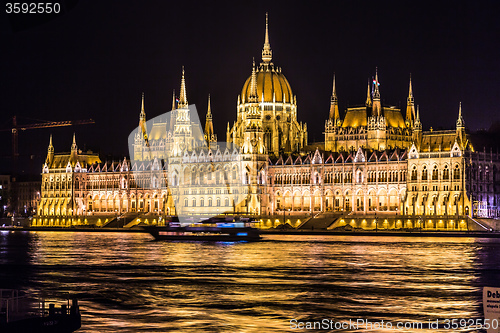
x=96, y=59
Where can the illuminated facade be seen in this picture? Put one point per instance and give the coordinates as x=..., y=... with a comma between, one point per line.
x=372, y=161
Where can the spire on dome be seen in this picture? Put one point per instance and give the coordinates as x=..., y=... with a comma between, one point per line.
x=410, y=106
x=183, y=103
x=253, y=97
x=267, y=53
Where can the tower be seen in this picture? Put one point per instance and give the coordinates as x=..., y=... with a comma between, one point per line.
x=141, y=137
x=182, y=135
x=334, y=107
x=209, y=134
x=332, y=122
x=50, y=153
x=74, y=148
x=253, y=135
x=410, y=108
x=377, y=106
x=417, y=130
x=461, y=136
x=377, y=125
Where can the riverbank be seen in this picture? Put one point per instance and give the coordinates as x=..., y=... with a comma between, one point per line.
x=379, y=233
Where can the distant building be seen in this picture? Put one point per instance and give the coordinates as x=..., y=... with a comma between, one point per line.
x=374, y=160
x=28, y=195
x=4, y=194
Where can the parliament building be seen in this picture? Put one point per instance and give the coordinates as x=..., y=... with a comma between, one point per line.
x=375, y=160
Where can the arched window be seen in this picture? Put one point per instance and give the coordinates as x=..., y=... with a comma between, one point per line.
x=202, y=202
x=456, y=172
x=435, y=173
x=424, y=173
x=446, y=173
x=218, y=202
x=194, y=202
x=226, y=202
x=186, y=203
x=209, y=202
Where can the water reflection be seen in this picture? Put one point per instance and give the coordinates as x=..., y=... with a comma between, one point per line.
x=128, y=283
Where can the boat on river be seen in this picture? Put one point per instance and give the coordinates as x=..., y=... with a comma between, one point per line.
x=216, y=229
x=22, y=313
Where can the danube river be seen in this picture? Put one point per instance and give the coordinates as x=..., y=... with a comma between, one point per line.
x=129, y=283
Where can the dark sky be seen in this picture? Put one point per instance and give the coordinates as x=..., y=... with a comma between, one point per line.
x=96, y=59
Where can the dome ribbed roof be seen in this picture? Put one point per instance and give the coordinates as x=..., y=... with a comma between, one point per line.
x=269, y=81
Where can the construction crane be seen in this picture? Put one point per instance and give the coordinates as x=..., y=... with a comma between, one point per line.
x=16, y=128
x=15, y=153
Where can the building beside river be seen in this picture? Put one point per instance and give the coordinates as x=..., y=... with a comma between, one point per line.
x=375, y=159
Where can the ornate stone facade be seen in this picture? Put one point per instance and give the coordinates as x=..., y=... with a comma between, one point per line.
x=373, y=161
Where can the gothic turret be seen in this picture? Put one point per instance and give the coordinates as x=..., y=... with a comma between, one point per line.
x=334, y=106
x=182, y=134
x=417, y=130
x=209, y=126
x=376, y=107
x=183, y=103
x=368, y=101
x=410, y=107
x=267, y=53
x=461, y=139
x=50, y=153
x=74, y=151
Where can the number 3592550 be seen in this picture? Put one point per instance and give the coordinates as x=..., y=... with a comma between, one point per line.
x=32, y=7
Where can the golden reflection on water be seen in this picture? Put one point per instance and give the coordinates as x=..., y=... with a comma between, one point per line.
x=129, y=283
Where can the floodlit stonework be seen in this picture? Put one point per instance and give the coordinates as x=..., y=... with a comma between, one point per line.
x=373, y=162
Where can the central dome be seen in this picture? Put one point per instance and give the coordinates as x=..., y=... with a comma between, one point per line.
x=270, y=82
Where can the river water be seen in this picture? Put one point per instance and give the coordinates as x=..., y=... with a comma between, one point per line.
x=129, y=283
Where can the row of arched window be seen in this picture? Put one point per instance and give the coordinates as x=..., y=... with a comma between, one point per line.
x=201, y=203
x=435, y=173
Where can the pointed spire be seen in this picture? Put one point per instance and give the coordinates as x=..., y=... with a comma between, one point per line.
x=50, y=152
x=73, y=145
x=267, y=53
x=143, y=113
x=334, y=107
x=173, y=100
x=183, y=103
x=141, y=130
x=417, y=123
x=376, y=92
x=253, y=97
x=376, y=107
x=209, y=125
x=410, y=107
x=460, y=120
x=209, y=113
x=368, y=102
